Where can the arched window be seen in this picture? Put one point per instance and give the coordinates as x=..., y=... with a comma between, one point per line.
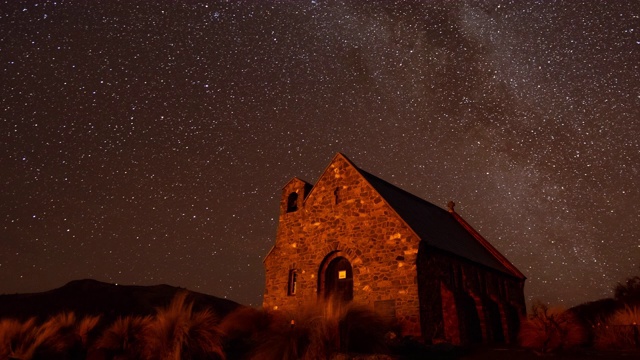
x=292, y=202
x=293, y=279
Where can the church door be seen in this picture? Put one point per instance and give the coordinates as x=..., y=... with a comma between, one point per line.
x=338, y=280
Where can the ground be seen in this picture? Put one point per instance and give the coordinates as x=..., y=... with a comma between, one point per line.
x=521, y=354
x=500, y=353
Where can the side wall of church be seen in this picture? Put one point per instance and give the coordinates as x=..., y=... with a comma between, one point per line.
x=344, y=216
x=462, y=302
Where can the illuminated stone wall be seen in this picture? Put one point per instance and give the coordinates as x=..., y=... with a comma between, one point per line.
x=344, y=216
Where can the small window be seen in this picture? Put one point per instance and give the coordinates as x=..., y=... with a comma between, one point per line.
x=293, y=279
x=336, y=194
x=292, y=202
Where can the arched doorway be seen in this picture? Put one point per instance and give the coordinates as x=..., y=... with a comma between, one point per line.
x=336, y=277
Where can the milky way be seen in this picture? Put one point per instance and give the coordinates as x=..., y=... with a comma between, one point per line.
x=146, y=143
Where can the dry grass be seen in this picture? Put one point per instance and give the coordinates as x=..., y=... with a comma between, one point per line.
x=619, y=331
x=69, y=336
x=349, y=328
x=244, y=322
x=60, y=335
x=551, y=329
x=286, y=335
x=177, y=332
x=85, y=327
x=124, y=338
x=627, y=316
x=321, y=331
x=243, y=330
x=61, y=328
x=17, y=339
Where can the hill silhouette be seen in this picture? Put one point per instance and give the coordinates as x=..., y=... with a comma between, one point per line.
x=92, y=297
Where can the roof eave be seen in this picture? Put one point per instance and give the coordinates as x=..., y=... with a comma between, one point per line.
x=487, y=245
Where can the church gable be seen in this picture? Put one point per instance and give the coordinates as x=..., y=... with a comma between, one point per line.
x=340, y=184
x=343, y=199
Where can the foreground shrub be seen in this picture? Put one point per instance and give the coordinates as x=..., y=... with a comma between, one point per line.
x=67, y=337
x=619, y=331
x=351, y=328
x=18, y=339
x=286, y=338
x=124, y=339
x=551, y=329
x=322, y=331
x=243, y=329
x=177, y=332
x=60, y=336
x=85, y=328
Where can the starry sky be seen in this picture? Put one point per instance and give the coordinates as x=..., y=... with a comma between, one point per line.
x=147, y=142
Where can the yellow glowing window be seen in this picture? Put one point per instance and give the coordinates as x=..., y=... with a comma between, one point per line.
x=342, y=274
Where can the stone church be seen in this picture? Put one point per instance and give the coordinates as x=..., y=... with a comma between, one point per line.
x=356, y=237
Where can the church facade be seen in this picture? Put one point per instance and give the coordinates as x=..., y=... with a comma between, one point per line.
x=356, y=237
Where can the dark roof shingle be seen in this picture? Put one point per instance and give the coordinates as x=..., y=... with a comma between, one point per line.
x=437, y=227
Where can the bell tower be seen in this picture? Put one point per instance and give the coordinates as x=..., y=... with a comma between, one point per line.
x=293, y=195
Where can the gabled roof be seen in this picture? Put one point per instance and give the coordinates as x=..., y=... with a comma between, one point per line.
x=439, y=228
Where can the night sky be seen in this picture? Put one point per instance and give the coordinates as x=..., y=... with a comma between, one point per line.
x=147, y=143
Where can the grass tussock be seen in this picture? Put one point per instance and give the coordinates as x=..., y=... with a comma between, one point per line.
x=619, y=331
x=627, y=316
x=85, y=327
x=67, y=336
x=551, y=329
x=244, y=329
x=178, y=332
x=62, y=335
x=319, y=332
x=124, y=338
x=18, y=339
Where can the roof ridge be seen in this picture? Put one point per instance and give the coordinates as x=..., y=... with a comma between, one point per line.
x=416, y=197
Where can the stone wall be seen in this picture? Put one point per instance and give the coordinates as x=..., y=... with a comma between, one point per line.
x=463, y=302
x=344, y=216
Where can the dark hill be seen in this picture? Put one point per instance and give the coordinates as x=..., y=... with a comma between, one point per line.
x=596, y=311
x=91, y=297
